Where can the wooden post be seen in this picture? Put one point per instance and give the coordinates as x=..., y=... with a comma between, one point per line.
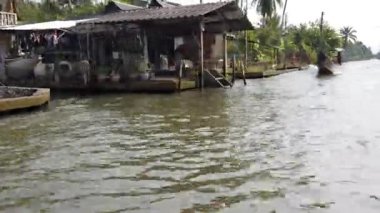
x=277, y=58
x=80, y=38
x=180, y=76
x=88, y=46
x=244, y=79
x=157, y=57
x=246, y=49
x=225, y=64
x=201, y=29
x=246, y=42
x=234, y=69
x=146, y=53
x=94, y=53
x=243, y=69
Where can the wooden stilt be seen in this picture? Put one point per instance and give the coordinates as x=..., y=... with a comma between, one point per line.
x=234, y=69
x=88, y=45
x=246, y=49
x=201, y=29
x=146, y=53
x=157, y=60
x=180, y=71
x=243, y=69
x=93, y=47
x=80, y=47
x=225, y=64
x=277, y=58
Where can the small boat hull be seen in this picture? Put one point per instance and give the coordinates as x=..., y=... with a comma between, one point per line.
x=324, y=70
x=325, y=65
x=37, y=97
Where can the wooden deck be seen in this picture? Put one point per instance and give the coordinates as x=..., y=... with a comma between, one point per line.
x=166, y=85
x=157, y=85
x=267, y=73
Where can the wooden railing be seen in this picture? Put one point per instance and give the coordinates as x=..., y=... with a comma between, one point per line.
x=8, y=19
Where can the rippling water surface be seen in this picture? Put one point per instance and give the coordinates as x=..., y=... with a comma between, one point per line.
x=293, y=143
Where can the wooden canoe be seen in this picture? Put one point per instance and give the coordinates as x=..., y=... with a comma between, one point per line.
x=39, y=98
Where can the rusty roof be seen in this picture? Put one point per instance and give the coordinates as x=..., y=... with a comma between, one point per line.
x=164, y=13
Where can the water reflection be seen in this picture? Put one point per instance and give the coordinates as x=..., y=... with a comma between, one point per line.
x=294, y=143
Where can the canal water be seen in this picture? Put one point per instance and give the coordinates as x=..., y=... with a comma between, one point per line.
x=292, y=143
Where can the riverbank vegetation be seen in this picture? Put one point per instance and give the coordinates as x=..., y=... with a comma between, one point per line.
x=275, y=41
x=302, y=41
x=357, y=51
x=354, y=50
x=377, y=55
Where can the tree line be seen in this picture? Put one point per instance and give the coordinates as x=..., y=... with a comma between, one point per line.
x=303, y=41
x=30, y=11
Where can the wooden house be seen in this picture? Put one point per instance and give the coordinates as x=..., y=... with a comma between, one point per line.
x=149, y=38
x=160, y=43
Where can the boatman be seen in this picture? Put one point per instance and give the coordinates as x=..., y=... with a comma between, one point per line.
x=339, y=57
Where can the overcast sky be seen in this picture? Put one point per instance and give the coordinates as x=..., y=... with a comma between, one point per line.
x=363, y=15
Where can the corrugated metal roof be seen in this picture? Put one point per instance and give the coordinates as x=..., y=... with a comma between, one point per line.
x=237, y=23
x=149, y=14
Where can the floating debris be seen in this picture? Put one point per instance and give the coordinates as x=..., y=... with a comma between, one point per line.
x=318, y=205
x=268, y=195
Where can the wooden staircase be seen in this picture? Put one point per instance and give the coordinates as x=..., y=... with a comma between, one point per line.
x=219, y=79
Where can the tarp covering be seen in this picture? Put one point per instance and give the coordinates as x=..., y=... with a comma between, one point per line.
x=51, y=25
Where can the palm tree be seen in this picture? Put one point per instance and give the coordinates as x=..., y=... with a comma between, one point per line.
x=348, y=34
x=267, y=8
x=283, y=15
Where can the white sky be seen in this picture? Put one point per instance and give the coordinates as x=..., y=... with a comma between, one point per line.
x=364, y=15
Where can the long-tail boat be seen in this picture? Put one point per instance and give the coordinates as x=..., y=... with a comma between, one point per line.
x=325, y=64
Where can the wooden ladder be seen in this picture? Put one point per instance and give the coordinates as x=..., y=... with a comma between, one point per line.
x=220, y=79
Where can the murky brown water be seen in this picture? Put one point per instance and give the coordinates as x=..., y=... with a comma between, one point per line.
x=293, y=143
